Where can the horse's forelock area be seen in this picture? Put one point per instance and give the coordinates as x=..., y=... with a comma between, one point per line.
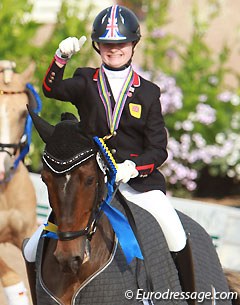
x=109, y=286
x=17, y=83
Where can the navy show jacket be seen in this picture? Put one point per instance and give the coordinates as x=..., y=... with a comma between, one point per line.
x=141, y=135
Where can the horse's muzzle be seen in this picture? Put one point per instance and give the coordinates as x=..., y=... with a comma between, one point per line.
x=71, y=254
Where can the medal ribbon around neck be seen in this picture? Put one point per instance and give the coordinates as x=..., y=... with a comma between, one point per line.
x=113, y=119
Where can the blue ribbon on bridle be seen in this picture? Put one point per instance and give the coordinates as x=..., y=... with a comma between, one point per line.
x=119, y=222
x=28, y=126
x=121, y=227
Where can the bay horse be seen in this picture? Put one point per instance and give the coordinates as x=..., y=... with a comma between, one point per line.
x=17, y=194
x=81, y=256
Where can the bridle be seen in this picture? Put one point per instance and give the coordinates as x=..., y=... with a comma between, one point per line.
x=14, y=146
x=25, y=140
x=114, y=216
x=88, y=232
x=4, y=147
x=22, y=142
x=12, y=92
x=91, y=226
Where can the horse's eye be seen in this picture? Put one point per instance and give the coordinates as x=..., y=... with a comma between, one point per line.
x=43, y=179
x=89, y=181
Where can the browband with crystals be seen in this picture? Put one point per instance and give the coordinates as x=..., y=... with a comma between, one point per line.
x=68, y=164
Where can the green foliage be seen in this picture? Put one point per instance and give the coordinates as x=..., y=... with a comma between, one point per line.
x=18, y=43
x=16, y=32
x=157, y=42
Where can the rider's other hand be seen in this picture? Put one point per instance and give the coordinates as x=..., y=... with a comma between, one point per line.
x=126, y=171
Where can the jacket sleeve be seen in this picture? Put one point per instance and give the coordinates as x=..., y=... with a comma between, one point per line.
x=54, y=86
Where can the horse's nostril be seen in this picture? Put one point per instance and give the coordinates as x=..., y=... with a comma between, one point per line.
x=77, y=259
x=75, y=263
x=69, y=265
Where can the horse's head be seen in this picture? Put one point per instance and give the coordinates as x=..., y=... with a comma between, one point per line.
x=13, y=100
x=75, y=187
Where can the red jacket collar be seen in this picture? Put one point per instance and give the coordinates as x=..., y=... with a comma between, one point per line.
x=95, y=75
x=136, y=78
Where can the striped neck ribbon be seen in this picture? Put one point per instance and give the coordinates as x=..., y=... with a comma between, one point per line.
x=113, y=117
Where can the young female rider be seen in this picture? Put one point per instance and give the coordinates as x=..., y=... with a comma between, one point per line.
x=113, y=99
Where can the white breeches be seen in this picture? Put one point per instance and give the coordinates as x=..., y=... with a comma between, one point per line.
x=30, y=249
x=157, y=203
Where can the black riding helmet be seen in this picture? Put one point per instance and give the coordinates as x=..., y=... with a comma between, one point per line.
x=115, y=24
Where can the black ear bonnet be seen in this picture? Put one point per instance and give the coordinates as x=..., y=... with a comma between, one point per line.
x=67, y=147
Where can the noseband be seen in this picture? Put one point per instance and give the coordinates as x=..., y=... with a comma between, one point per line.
x=88, y=231
x=14, y=146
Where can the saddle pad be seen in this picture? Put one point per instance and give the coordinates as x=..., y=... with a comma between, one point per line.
x=209, y=274
x=110, y=285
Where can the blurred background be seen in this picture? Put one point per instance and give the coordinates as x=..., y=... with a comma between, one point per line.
x=189, y=48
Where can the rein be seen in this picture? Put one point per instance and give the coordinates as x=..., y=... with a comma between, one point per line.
x=28, y=125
